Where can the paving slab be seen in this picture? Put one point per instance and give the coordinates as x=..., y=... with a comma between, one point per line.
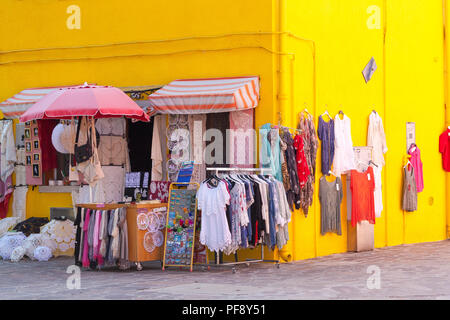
x=416, y=271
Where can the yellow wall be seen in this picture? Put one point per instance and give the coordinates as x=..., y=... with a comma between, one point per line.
x=407, y=86
x=156, y=42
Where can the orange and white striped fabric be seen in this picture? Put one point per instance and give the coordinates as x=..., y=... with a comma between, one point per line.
x=195, y=96
x=15, y=106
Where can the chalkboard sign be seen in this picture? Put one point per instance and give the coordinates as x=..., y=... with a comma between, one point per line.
x=180, y=225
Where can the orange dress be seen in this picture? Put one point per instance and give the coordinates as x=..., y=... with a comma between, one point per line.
x=362, y=185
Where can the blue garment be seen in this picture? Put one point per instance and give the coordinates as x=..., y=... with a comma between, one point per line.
x=270, y=150
x=272, y=208
x=325, y=131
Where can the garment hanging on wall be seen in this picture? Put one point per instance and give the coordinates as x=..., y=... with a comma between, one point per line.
x=330, y=196
x=284, y=165
x=325, y=133
x=242, y=143
x=270, y=150
x=310, y=145
x=6, y=189
x=113, y=183
x=344, y=157
x=362, y=186
x=273, y=138
x=112, y=150
x=302, y=165
x=416, y=162
x=19, y=206
x=197, y=128
x=140, y=145
x=378, y=195
x=8, y=149
x=444, y=148
x=409, y=199
x=157, y=151
x=111, y=126
x=376, y=138
x=293, y=194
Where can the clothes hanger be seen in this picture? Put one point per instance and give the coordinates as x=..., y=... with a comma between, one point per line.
x=331, y=173
x=371, y=162
x=326, y=112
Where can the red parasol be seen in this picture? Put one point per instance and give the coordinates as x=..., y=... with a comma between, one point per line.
x=86, y=100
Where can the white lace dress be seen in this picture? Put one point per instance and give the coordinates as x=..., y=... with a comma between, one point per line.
x=214, y=232
x=344, y=158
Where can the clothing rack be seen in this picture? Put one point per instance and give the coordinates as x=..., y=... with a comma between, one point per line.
x=247, y=261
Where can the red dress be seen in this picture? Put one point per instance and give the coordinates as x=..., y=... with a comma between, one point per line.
x=444, y=148
x=302, y=166
x=362, y=185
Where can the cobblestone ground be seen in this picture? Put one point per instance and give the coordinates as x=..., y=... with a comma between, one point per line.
x=419, y=271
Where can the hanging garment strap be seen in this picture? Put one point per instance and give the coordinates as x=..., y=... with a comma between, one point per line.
x=78, y=132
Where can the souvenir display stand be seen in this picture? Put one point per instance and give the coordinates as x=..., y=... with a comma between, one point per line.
x=145, y=222
x=181, y=226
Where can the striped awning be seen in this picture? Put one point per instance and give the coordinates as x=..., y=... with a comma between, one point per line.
x=15, y=106
x=194, y=96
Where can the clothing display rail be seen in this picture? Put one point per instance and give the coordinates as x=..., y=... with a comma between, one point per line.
x=247, y=261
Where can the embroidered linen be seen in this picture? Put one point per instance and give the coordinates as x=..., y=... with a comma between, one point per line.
x=113, y=183
x=19, y=205
x=159, y=190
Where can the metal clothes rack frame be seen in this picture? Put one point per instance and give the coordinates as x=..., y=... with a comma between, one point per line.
x=247, y=261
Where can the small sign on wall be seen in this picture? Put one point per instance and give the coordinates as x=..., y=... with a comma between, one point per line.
x=410, y=134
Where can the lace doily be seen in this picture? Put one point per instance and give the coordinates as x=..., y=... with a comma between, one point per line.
x=149, y=245
x=17, y=254
x=142, y=221
x=153, y=238
x=42, y=253
x=9, y=242
x=153, y=223
x=158, y=238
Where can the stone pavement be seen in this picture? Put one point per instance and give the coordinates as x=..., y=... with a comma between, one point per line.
x=418, y=271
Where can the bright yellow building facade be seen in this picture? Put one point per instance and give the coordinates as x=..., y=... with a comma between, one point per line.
x=307, y=53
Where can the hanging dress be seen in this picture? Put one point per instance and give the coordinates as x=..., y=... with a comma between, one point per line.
x=409, y=200
x=325, y=132
x=416, y=162
x=344, y=157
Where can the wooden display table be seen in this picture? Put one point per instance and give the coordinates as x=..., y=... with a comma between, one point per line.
x=136, y=251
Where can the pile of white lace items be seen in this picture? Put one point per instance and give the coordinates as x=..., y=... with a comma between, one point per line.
x=29, y=246
x=9, y=242
x=36, y=240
